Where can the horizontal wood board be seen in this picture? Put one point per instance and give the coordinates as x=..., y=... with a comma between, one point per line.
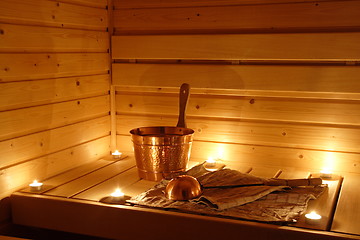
x=54, y=13
x=302, y=78
x=19, y=66
x=22, y=94
x=225, y=17
x=284, y=46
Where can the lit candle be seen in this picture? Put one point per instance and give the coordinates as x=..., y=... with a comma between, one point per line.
x=35, y=186
x=116, y=154
x=117, y=196
x=213, y=165
x=325, y=173
x=312, y=218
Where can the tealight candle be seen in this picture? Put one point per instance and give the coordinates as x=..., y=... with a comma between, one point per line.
x=325, y=174
x=35, y=186
x=213, y=165
x=117, y=196
x=312, y=218
x=116, y=154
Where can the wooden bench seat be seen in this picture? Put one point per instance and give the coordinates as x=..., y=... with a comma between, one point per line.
x=71, y=203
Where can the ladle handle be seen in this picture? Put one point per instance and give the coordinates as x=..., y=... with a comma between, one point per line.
x=183, y=100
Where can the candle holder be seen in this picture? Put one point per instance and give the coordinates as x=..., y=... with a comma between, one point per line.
x=212, y=165
x=116, y=154
x=35, y=186
x=116, y=197
x=312, y=218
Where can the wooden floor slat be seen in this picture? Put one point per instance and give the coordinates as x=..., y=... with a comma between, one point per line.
x=70, y=175
x=104, y=189
x=345, y=220
x=92, y=179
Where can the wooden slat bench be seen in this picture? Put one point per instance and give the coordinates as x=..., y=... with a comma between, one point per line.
x=70, y=202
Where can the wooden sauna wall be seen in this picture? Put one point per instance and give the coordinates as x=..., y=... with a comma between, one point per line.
x=54, y=88
x=275, y=83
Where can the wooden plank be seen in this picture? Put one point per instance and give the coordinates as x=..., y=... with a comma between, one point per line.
x=245, y=107
x=267, y=156
x=287, y=17
x=29, y=93
x=264, y=172
x=284, y=46
x=116, y=221
x=346, y=218
x=138, y=187
x=87, y=181
x=19, y=66
x=197, y=3
x=24, y=121
x=255, y=131
x=23, y=173
x=225, y=93
x=27, y=147
x=46, y=39
x=250, y=77
x=248, y=107
x=70, y=175
x=51, y=13
x=121, y=181
x=323, y=206
x=90, y=3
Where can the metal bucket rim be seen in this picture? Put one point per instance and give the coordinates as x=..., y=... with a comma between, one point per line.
x=184, y=131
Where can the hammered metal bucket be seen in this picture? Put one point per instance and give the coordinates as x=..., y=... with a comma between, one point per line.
x=161, y=151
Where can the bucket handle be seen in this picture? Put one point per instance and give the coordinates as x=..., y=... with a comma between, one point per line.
x=183, y=100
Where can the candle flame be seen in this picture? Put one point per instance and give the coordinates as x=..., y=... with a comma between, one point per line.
x=210, y=160
x=117, y=193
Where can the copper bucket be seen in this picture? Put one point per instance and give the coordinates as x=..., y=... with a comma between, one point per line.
x=162, y=151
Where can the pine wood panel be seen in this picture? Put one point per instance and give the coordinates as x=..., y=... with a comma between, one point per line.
x=26, y=147
x=214, y=19
x=87, y=181
x=19, y=175
x=256, y=133
x=24, y=121
x=284, y=46
x=51, y=13
x=29, y=93
x=266, y=156
x=195, y=3
x=18, y=38
x=346, y=218
x=236, y=107
x=19, y=66
x=90, y=3
x=259, y=77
